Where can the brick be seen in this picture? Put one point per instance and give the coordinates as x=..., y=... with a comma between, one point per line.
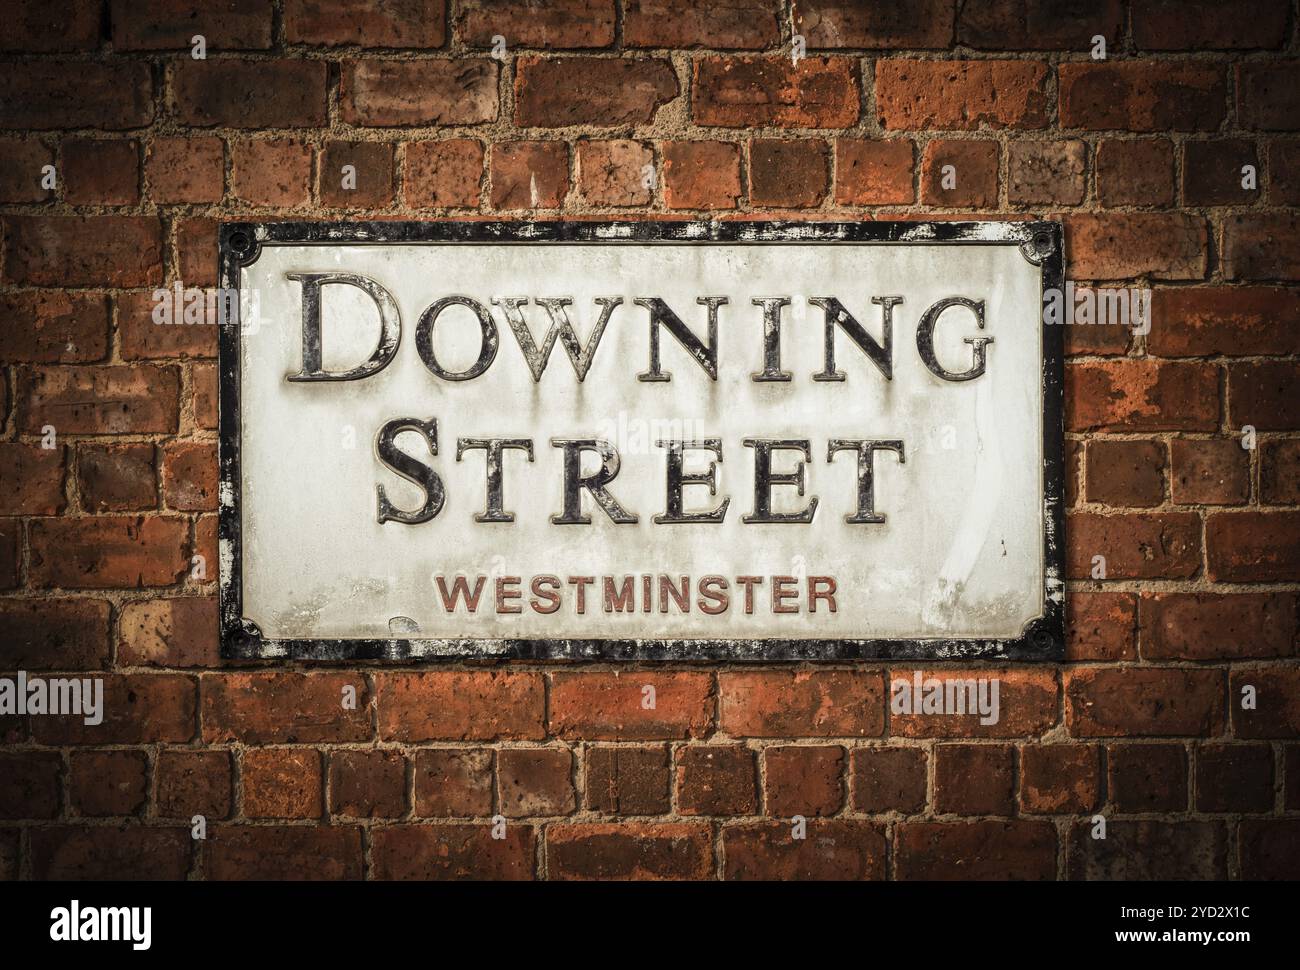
x=803, y=780
x=205, y=541
x=1279, y=475
x=366, y=23
x=979, y=850
x=236, y=93
x=137, y=709
x=615, y=92
x=425, y=92
x=284, y=708
x=1135, y=172
x=447, y=852
x=196, y=251
x=1218, y=626
x=53, y=634
x=281, y=783
x=1124, y=245
x=83, y=250
x=716, y=780
x=107, y=552
x=170, y=24
x=1284, y=172
x=1234, y=778
x=1253, y=547
x=627, y=780
x=530, y=174
x=22, y=164
x=1047, y=172
x=317, y=852
x=556, y=25
x=787, y=174
x=534, y=782
x=1212, y=172
x=103, y=852
x=960, y=95
x=194, y=783
x=974, y=779
x=1209, y=472
x=729, y=25
x=873, y=171
x=830, y=849
x=444, y=173
x=1268, y=848
x=30, y=784
x=1001, y=25
x=1142, y=96
x=272, y=172
x=599, y=706
x=629, y=850
x=106, y=96
x=141, y=337
x=1126, y=472
x=115, y=399
x=887, y=26
x=973, y=174
x=453, y=782
x=1267, y=95
x=31, y=479
x=9, y=845
x=189, y=476
x=889, y=780
x=1237, y=321
x=1149, y=849
x=1292, y=772
x=781, y=704
x=613, y=172
x=701, y=174
x=186, y=169
x=1147, y=777
x=53, y=327
x=460, y=706
x=372, y=164
x=1135, y=395
x=108, y=782
x=203, y=390
x=173, y=632
x=1261, y=246
x=1027, y=701
x=1148, y=702
x=1097, y=339
x=1060, y=778
x=1173, y=25
x=116, y=478
x=744, y=92
x=1100, y=626
x=1277, y=703
x=33, y=26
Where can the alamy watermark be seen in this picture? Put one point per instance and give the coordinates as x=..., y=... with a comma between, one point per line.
x=1124, y=306
x=949, y=696
x=55, y=695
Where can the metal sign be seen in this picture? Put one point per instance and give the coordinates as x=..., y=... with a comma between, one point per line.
x=641, y=441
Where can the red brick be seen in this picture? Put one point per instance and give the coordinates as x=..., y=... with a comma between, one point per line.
x=372, y=162
x=366, y=23
x=194, y=783
x=11, y=531
x=1100, y=626
x=598, y=706
x=22, y=164
x=873, y=172
x=613, y=172
x=1234, y=778
x=1002, y=25
x=196, y=248
x=781, y=704
x=1141, y=395
x=964, y=95
x=530, y=174
x=108, y=782
x=1212, y=172
x=1238, y=321
x=1263, y=246
x=629, y=850
x=1209, y=472
x=1279, y=475
x=83, y=250
x=317, y=852
x=981, y=850
x=103, y=852
x=281, y=783
x=1268, y=95
x=444, y=173
x=974, y=779
x=887, y=26
x=889, y=780
x=1097, y=326
x=53, y=327
x=535, y=781
x=1147, y=777
x=555, y=25
x=9, y=847
x=273, y=172
x=33, y=26
x=626, y=780
x=284, y=708
x=1284, y=172
x=1126, y=472
x=1262, y=394
x=137, y=709
x=101, y=171
x=1253, y=547
x=143, y=338
x=106, y=552
x=1199, y=25
x=1149, y=702
x=829, y=849
x=803, y=780
x=1149, y=849
x=615, y=92
x=31, y=479
x=1292, y=772
x=460, y=706
x=974, y=167
x=106, y=96
x=1277, y=702
x=728, y=25
x=1268, y=848
x=186, y=169
x=1047, y=172
x=1060, y=778
x=250, y=94
x=190, y=475
x=1154, y=96
x=1135, y=172
x=1027, y=701
x=427, y=92
x=171, y=24
x=1123, y=245
x=716, y=780
x=30, y=784
x=787, y=174
x=53, y=634
x=447, y=852
x=744, y=92
x=205, y=541
x=173, y=632
x=701, y=174
x=1137, y=545
x=453, y=782
x=116, y=478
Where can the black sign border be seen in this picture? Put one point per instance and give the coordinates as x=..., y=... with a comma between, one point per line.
x=1043, y=639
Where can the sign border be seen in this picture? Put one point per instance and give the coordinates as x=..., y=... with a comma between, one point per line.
x=1043, y=638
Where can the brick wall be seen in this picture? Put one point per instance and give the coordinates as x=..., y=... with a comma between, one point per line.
x=1141, y=155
